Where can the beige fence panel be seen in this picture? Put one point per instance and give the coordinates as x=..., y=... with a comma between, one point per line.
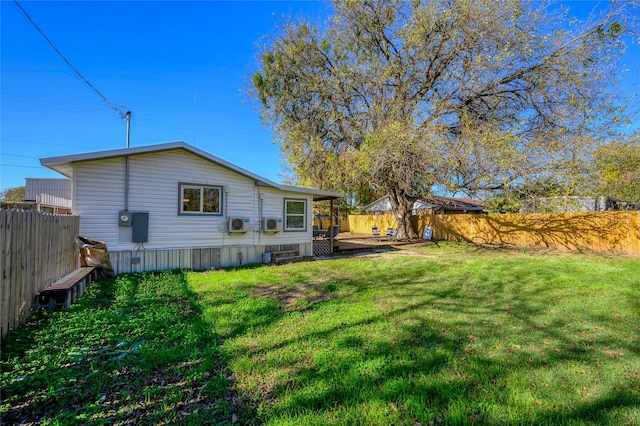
x=606, y=232
x=325, y=223
x=37, y=250
x=362, y=224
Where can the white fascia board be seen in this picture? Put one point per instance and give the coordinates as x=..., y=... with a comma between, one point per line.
x=64, y=165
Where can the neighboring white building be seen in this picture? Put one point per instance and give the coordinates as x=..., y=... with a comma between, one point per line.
x=46, y=195
x=563, y=204
x=430, y=205
x=175, y=206
x=59, y=188
x=573, y=204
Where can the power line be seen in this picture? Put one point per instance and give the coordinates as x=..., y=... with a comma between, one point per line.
x=24, y=141
x=23, y=167
x=21, y=96
x=117, y=108
x=15, y=155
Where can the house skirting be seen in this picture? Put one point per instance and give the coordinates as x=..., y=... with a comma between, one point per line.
x=197, y=258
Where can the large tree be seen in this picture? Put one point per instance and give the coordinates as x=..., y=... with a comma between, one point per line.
x=13, y=194
x=618, y=167
x=403, y=97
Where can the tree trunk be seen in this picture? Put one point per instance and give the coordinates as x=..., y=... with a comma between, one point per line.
x=402, y=206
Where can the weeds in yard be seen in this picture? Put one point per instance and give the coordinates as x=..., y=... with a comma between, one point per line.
x=444, y=334
x=134, y=350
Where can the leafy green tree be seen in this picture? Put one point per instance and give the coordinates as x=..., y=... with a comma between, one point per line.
x=13, y=194
x=510, y=198
x=467, y=95
x=618, y=166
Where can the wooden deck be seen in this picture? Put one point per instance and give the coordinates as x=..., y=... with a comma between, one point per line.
x=346, y=243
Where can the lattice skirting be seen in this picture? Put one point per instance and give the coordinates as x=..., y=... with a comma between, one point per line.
x=321, y=248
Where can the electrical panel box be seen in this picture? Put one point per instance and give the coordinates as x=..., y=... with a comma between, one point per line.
x=124, y=218
x=140, y=227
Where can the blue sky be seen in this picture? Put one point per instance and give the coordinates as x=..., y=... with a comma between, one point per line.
x=154, y=58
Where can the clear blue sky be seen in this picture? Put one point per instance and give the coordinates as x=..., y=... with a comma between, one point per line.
x=150, y=57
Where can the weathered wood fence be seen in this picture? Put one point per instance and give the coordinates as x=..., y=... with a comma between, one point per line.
x=606, y=232
x=37, y=250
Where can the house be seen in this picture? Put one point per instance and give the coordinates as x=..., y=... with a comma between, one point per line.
x=430, y=205
x=50, y=195
x=59, y=188
x=173, y=205
x=44, y=195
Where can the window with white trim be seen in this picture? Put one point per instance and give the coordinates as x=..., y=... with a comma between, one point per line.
x=295, y=215
x=200, y=199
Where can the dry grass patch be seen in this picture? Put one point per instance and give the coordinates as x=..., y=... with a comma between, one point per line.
x=299, y=296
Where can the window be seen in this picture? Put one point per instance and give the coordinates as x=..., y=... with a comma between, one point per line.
x=200, y=199
x=295, y=215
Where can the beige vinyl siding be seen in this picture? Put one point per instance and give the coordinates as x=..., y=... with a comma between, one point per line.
x=153, y=183
x=273, y=206
x=98, y=195
x=154, y=188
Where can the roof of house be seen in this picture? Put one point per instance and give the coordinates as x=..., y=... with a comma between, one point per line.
x=436, y=201
x=455, y=203
x=64, y=165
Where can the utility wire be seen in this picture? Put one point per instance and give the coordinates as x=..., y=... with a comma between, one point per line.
x=117, y=108
x=22, y=167
x=15, y=155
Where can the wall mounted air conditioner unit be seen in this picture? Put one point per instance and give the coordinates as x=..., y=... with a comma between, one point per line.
x=271, y=224
x=238, y=224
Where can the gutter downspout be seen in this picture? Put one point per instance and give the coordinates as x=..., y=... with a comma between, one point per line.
x=126, y=183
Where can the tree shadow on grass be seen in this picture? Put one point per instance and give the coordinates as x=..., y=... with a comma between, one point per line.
x=434, y=358
x=133, y=350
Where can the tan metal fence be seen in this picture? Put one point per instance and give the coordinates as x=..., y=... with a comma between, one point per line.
x=37, y=250
x=607, y=232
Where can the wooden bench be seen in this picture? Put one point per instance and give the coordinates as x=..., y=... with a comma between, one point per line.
x=67, y=289
x=287, y=256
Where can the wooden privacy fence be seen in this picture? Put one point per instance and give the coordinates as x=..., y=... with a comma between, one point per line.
x=607, y=232
x=325, y=223
x=37, y=249
x=362, y=224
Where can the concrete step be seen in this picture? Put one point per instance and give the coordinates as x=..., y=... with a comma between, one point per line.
x=280, y=260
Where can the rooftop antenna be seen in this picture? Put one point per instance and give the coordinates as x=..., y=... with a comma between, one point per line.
x=123, y=112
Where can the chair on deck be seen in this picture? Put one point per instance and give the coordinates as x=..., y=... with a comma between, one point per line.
x=392, y=234
x=333, y=231
x=375, y=233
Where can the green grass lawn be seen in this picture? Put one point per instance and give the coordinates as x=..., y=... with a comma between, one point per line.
x=441, y=334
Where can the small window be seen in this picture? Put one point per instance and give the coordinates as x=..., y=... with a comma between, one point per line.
x=200, y=199
x=295, y=213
